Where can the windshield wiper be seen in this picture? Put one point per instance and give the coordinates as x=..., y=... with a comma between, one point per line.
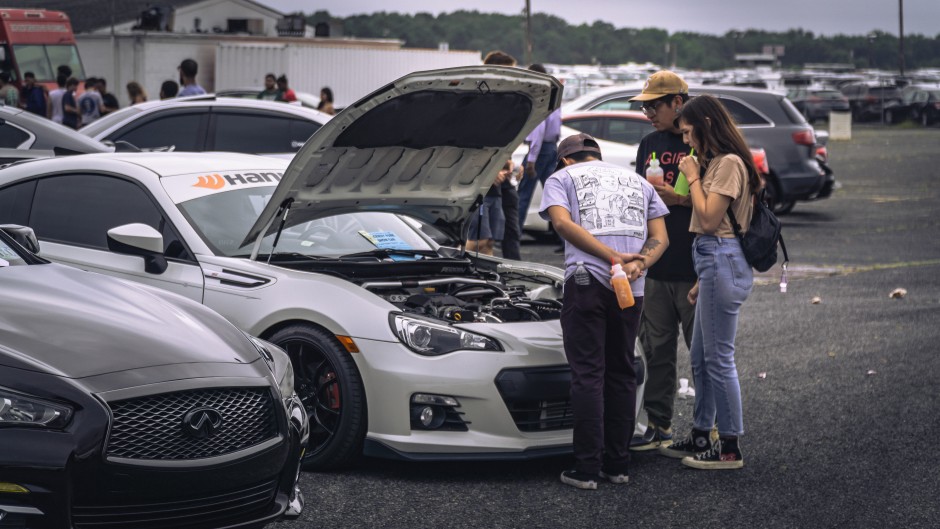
x=389, y=252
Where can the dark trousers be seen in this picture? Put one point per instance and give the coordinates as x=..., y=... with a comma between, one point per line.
x=599, y=342
x=513, y=232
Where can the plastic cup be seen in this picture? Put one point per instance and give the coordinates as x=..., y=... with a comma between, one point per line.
x=682, y=185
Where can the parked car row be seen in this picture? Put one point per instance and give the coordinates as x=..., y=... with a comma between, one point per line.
x=871, y=101
x=347, y=261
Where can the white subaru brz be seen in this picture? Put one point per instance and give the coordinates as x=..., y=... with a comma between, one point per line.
x=349, y=257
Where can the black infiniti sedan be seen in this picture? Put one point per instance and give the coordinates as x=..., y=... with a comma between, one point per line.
x=125, y=406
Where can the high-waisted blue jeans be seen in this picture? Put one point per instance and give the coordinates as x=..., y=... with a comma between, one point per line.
x=725, y=280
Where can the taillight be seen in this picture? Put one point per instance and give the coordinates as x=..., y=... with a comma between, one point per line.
x=822, y=153
x=805, y=137
x=760, y=160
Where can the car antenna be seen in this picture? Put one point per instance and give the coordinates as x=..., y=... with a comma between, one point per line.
x=285, y=207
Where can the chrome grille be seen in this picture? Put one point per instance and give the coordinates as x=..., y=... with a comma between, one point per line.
x=151, y=427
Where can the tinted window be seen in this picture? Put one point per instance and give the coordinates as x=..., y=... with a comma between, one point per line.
x=627, y=130
x=257, y=133
x=621, y=103
x=12, y=137
x=80, y=209
x=15, y=201
x=590, y=126
x=742, y=114
x=182, y=131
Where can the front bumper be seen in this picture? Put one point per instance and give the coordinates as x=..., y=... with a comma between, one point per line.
x=72, y=484
x=392, y=374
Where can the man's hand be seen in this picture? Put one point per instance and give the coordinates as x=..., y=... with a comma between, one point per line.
x=668, y=194
x=633, y=264
x=530, y=170
x=693, y=294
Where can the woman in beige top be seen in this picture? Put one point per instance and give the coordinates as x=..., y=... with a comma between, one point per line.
x=724, y=278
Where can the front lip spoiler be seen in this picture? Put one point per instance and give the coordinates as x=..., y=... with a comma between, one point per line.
x=374, y=448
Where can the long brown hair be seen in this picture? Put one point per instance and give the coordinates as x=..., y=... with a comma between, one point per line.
x=718, y=134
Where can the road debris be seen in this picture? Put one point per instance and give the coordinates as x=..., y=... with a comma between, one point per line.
x=898, y=293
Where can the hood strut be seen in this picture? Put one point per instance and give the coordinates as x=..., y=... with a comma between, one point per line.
x=285, y=207
x=282, y=211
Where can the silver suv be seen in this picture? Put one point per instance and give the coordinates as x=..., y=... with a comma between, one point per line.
x=767, y=119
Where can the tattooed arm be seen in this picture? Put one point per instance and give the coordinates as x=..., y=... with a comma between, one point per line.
x=656, y=243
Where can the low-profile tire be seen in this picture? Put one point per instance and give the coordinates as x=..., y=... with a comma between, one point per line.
x=329, y=385
x=777, y=205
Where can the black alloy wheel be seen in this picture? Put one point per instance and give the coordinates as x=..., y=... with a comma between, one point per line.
x=329, y=385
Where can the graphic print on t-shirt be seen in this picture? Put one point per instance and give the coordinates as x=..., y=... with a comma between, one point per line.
x=610, y=201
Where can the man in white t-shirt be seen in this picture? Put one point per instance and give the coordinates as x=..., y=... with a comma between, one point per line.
x=55, y=99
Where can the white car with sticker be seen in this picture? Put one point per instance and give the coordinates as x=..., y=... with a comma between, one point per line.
x=402, y=347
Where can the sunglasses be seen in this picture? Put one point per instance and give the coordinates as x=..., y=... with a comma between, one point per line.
x=649, y=108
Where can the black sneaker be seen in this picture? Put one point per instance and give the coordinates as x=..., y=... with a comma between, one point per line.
x=581, y=480
x=696, y=442
x=652, y=438
x=723, y=455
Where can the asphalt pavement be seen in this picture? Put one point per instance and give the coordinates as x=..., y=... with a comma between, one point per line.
x=840, y=386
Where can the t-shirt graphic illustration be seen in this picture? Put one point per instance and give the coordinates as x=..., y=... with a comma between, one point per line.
x=610, y=201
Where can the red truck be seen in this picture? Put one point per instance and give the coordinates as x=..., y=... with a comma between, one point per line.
x=38, y=41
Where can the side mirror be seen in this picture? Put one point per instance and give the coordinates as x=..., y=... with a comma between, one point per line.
x=142, y=240
x=23, y=235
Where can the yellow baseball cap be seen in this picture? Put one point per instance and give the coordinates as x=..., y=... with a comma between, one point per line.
x=662, y=83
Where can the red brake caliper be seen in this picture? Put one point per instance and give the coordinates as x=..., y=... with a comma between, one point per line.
x=332, y=391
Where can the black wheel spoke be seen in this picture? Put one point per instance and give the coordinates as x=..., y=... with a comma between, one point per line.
x=327, y=384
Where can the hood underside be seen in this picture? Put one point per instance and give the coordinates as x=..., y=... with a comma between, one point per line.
x=428, y=145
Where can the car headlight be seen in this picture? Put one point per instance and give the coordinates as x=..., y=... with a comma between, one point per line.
x=431, y=338
x=279, y=364
x=17, y=409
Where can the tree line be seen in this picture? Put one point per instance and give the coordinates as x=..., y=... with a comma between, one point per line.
x=556, y=41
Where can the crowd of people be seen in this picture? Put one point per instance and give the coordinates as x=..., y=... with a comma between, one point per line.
x=65, y=105
x=682, y=259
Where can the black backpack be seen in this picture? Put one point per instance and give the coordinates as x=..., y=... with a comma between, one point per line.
x=763, y=235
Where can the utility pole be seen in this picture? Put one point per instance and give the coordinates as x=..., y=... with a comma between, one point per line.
x=528, y=32
x=901, y=36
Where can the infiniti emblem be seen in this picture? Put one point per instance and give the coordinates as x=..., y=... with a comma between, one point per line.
x=201, y=423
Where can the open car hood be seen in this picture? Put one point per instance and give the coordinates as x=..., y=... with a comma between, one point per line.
x=428, y=145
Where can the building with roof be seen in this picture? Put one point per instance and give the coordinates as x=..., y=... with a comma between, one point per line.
x=236, y=43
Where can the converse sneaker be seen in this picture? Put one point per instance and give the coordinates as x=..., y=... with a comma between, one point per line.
x=723, y=455
x=653, y=438
x=696, y=442
x=581, y=480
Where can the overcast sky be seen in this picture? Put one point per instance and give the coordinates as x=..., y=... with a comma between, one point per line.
x=826, y=17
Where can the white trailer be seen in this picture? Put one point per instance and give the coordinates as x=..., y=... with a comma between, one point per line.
x=351, y=67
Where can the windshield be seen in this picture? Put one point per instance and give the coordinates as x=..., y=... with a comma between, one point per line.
x=43, y=59
x=223, y=219
x=8, y=256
